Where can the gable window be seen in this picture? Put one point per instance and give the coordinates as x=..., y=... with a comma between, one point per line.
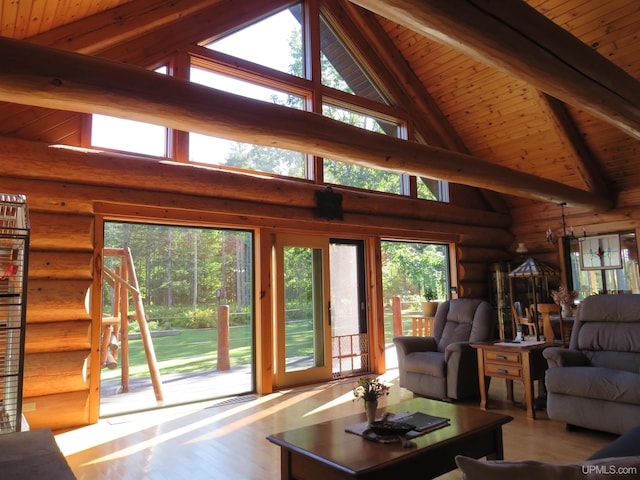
x=291, y=59
x=354, y=175
x=432, y=189
x=245, y=88
x=128, y=135
x=340, y=70
x=246, y=156
x=219, y=151
x=258, y=43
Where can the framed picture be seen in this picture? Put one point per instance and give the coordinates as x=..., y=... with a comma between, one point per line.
x=600, y=253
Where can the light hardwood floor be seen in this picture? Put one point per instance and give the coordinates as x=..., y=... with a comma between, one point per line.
x=227, y=440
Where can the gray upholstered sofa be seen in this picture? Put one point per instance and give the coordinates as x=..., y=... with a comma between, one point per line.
x=445, y=366
x=595, y=383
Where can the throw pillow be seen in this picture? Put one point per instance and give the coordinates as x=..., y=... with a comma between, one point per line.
x=508, y=470
x=601, y=469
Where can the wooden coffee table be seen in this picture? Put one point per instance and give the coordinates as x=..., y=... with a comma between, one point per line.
x=325, y=451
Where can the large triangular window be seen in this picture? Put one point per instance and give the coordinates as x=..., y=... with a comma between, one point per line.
x=340, y=70
x=294, y=59
x=275, y=42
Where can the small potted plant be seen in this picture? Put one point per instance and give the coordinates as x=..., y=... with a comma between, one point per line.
x=430, y=304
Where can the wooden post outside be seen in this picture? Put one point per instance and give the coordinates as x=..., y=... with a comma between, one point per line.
x=122, y=306
x=145, y=334
x=223, y=338
x=397, y=316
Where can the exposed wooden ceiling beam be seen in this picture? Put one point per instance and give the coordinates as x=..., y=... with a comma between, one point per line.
x=516, y=39
x=50, y=78
x=124, y=23
x=373, y=49
x=111, y=27
x=80, y=166
x=585, y=164
x=376, y=51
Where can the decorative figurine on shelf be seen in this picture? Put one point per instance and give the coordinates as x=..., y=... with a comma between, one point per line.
x=565, y=298
x=369, y=390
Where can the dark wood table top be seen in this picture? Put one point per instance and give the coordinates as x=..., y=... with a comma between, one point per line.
x=329, y=443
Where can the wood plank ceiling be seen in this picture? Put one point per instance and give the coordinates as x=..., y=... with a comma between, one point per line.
x=509, y=122
x=499, y=117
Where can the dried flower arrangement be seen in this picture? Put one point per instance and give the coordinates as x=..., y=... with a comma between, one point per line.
x=370, y=389
x=563, y=295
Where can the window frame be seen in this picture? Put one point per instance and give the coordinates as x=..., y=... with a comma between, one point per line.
x=314, y=94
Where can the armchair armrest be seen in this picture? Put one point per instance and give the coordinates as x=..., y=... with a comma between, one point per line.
x=564, y=357
x=462, y=369
x=458, y=347
x=407, y=345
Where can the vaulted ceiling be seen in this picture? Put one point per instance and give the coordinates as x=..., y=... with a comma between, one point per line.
x=527, y=95
x=541, y=88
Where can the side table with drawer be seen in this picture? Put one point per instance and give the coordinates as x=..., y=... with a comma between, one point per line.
x=511, y=361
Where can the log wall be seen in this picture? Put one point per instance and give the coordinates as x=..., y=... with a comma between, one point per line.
x=531, y=220
x=67, y=189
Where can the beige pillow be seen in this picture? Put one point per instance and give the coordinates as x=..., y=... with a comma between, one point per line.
x=601, y=469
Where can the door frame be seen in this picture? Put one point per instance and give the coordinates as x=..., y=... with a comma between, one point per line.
x=283, y=378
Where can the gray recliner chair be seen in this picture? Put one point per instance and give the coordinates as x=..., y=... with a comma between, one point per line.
x=444, y=366
x=595, y=383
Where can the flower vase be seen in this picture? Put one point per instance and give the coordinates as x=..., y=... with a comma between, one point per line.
x=566, y=310
x=370, y=407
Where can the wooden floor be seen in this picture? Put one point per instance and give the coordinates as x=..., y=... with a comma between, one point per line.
x=227, y=440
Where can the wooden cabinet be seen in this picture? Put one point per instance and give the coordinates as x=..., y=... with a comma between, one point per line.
x=528, y=290
x=503, y=364
x=500, y=299
x=512, y=361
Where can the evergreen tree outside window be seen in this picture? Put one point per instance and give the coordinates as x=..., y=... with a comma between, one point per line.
x=348, y=174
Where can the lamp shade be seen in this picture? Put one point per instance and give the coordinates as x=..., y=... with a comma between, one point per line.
x=533, y=268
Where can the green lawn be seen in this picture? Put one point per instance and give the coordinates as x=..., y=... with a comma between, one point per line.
x=189, y=351
x=195, y=350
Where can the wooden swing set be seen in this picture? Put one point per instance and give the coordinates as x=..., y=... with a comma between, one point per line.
x=124, y=281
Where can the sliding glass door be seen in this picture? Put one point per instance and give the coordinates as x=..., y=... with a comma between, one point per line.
x=303, y=334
